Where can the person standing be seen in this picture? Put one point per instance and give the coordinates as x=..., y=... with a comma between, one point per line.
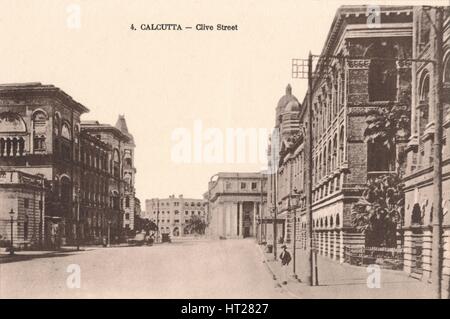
x=285, y=258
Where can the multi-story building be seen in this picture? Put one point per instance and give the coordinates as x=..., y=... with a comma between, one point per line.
x=362, y=70
x=236, y=202
x=172, y=214
x=280, y=181
x=86, y=166
x=21, y=197
x=121, y=183
x=420, y=158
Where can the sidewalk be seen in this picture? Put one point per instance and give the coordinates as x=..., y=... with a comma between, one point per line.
x=341, y=281
x=22, y=255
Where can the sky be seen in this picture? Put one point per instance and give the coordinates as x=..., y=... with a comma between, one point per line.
x=168, y=81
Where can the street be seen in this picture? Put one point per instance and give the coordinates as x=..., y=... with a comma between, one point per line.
x=189, y=269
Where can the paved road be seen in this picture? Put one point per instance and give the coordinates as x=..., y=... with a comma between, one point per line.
x=194, y=269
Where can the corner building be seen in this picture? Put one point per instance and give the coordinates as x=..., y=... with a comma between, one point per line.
x=85, y=166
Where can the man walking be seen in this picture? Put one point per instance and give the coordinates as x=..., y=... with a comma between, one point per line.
x=285, y=258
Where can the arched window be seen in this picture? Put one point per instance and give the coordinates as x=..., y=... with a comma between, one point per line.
x=115, y=200
x=324, y=159
x=447, y=70
x=66, y=190
x=330, y=162
x=446, y=93
x=57, y=124
x=66, y=132
x=341, y=145
x=127, y=202
x=11, y=122
x=13, y=144
x=416, y=215
x=379, y=157
x=382, y=84
x=116, y=163
x=334, y=154
x=424, y=95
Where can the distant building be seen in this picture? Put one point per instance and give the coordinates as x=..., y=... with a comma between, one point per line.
x=237, y=201
x=172, y=214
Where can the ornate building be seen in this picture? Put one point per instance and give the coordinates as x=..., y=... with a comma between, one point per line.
x=120, y=189
x=83, y=164
x=363, y=78
x=236, y=203
x=419, y=172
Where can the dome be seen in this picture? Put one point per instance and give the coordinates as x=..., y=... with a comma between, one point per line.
x=292, y=106
x=287, y=98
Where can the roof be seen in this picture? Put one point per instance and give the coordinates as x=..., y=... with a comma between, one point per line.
x=95, y=126
x=121, y=124
x=37, y=88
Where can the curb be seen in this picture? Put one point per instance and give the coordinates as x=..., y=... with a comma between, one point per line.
x=274, y=277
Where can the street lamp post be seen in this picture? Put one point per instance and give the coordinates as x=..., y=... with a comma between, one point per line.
x=78, y=219
x=109, y=233
x=296, y=205
x=157, y=221
x=41, y=212
x=11, y=214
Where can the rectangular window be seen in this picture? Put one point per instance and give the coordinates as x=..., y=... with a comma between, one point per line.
x=26, y=203
x=254, y=185
x=243, y=185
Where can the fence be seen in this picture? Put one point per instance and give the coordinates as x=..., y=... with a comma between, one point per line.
x=390, y=258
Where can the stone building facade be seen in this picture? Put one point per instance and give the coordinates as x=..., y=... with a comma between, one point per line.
x=236, y=203
x=41, y=133
x=172, y=214
x=119, y=190
x=419, y=171
x=24, y=195
x=347, y=95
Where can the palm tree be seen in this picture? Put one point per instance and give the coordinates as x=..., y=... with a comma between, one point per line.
x=380, y=210
x=144, y=224
x=195, y=225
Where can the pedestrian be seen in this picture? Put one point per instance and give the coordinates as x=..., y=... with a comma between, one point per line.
x=285, y=258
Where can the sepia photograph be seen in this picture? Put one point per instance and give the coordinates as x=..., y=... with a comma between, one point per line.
x=224, y=150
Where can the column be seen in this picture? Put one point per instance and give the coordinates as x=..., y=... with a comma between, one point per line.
x=234, y=224
x=335, y=243
x=227, y=220
x=407, y=251
x=238, y=220
x=241, y=219
x=426, y=253
x=329, y=243
x=255, y=209
x=341, y=246
x=224, y=220
x=320, y=243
